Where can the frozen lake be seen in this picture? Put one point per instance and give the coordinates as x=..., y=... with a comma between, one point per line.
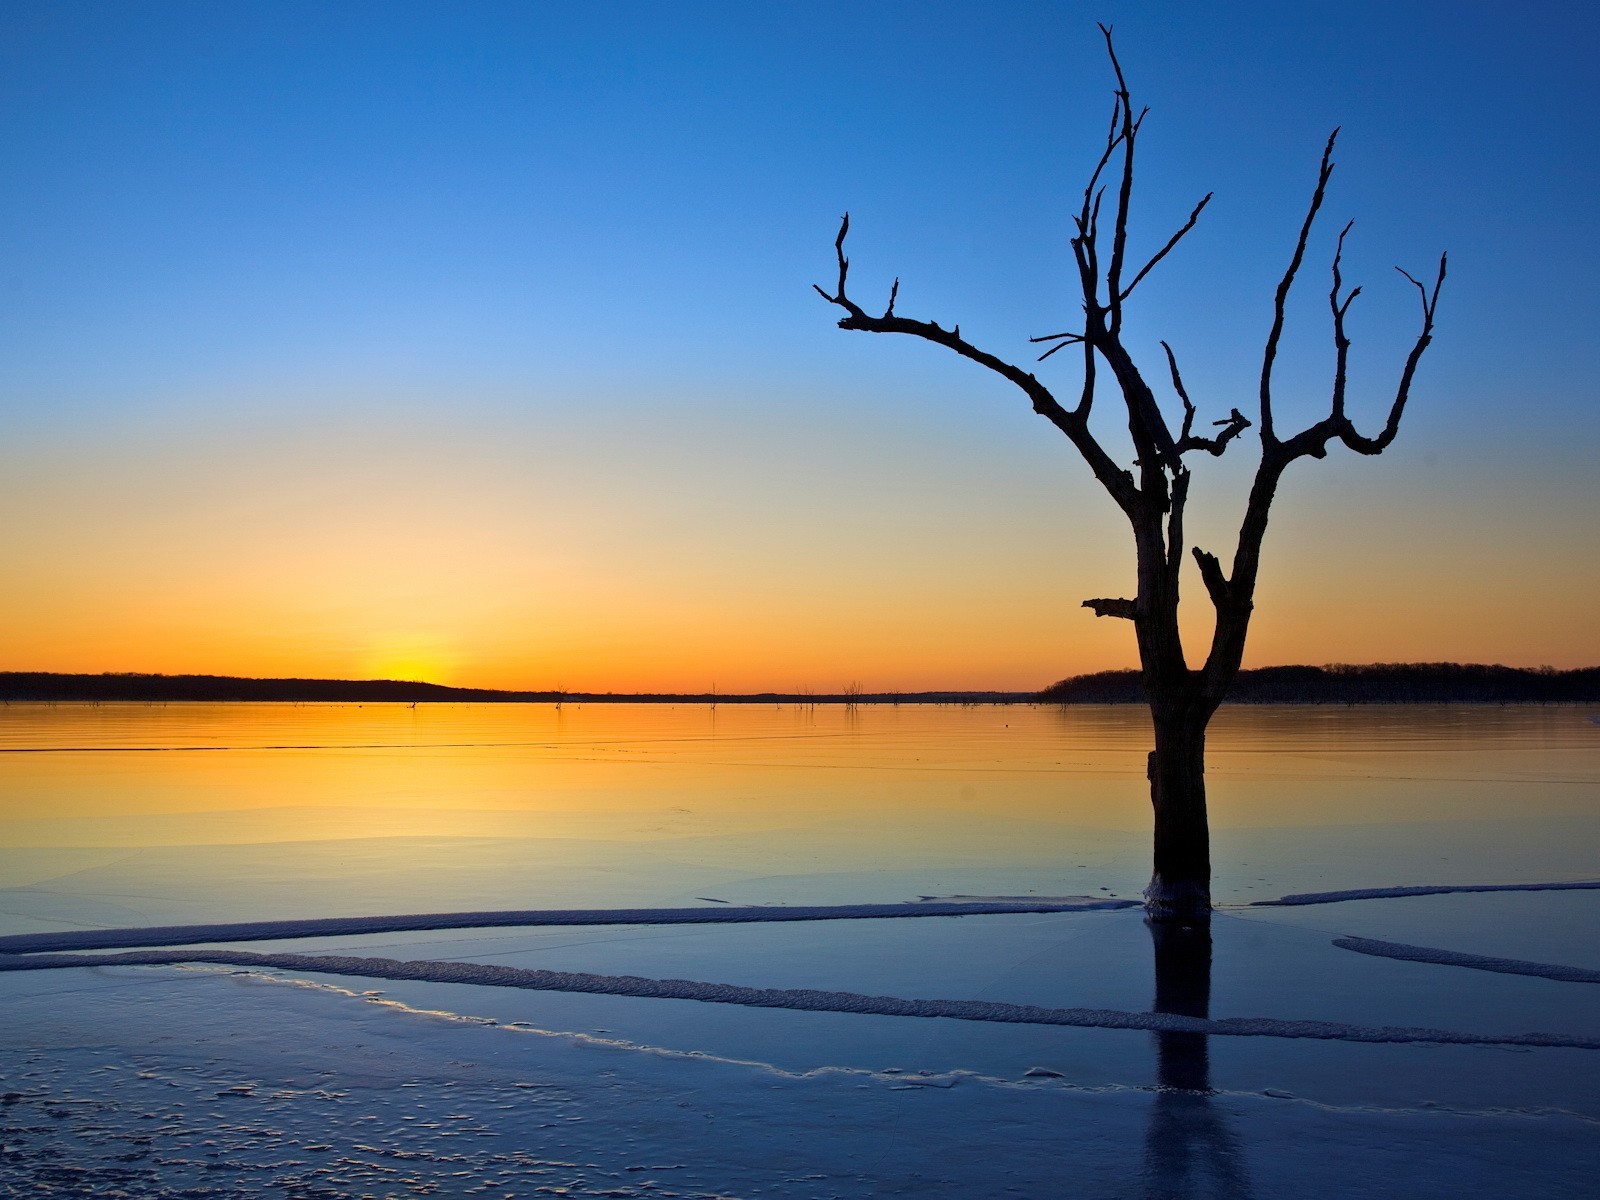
x=267, y=1079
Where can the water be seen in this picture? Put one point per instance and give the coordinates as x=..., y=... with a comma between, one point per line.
x=120, y=815
x=137, y=814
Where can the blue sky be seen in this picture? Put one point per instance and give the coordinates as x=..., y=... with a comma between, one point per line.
x=580, y=239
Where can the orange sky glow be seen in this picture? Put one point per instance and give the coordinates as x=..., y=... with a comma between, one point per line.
x=486, y=565
x=476, y=344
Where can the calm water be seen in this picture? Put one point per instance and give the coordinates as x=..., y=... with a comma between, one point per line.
x=130, y=814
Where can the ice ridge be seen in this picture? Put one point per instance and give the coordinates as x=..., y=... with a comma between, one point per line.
x=1390, y=893
x=804, y=999
x=257, y=931
x=1478, y=962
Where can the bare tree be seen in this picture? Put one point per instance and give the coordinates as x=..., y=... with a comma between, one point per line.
x=1152, y=494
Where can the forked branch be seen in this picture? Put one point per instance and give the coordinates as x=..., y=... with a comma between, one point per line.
x=1430, y=303
x=1232, y=426
x=1312, y=442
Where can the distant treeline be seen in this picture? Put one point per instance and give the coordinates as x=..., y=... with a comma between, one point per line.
x=45, y=685
x=1380, y=683
x=1383, y=683
x=48, y=686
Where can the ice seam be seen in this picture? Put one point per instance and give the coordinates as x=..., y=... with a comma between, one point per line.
x=256, y=931
x=1477, y=962
x=1391, y=893
x=802, y=999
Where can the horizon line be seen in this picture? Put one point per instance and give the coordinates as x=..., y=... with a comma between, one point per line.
x=1080, y=687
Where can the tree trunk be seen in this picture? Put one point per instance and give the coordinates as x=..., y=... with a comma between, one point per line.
x=1180, y=886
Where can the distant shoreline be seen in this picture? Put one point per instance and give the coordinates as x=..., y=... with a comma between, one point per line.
x=1384, y=683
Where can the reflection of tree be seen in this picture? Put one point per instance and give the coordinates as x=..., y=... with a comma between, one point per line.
x=1188, y=1149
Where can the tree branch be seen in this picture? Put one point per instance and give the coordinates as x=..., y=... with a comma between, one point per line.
x=1211, y=573
x=1062, y=340
x=1313, y=442
x=1090, y=214
x=1086, y=397
x=1377, y=445
x=1167, y=249
x=1118, y=482
x=1235, y=601
x=1341, y=343
x=1112, y=608
x=1268, y=435
x=1119, y=235
x=1236, y=422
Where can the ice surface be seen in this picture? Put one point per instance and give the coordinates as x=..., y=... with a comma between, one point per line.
x=232, y=1084
x=292, y=1080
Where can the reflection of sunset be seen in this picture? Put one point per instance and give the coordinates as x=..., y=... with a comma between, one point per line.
x=247, y=773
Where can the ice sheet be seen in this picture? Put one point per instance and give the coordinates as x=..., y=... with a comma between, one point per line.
x=231, y=1083
x=395, y=811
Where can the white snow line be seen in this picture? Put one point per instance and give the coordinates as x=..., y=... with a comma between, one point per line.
x=803, y=999
x=1391, y=893
x=257, y=931
x=1478, y=962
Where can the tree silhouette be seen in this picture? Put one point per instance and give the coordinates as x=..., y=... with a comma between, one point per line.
x=1152, y=494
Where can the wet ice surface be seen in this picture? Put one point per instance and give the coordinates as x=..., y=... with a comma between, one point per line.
x=204, y=1082
x=1097, y=960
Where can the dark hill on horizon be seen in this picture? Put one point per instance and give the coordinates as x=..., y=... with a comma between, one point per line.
x=1379, y=683
x=129, y=686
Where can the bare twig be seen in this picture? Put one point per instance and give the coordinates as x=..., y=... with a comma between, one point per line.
x=1062, y=340
x=1129, y=135
x=1232, y=426
x=1092, y=191
x=1341, y=343
x=1167, y=249
x=1268, y=435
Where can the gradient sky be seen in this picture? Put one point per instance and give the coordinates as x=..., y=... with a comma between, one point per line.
x=474, y=341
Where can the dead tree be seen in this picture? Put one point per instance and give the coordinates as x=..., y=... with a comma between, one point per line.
x=1153, y=493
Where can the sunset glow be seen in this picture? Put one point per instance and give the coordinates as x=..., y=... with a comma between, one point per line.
x=513, y=377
